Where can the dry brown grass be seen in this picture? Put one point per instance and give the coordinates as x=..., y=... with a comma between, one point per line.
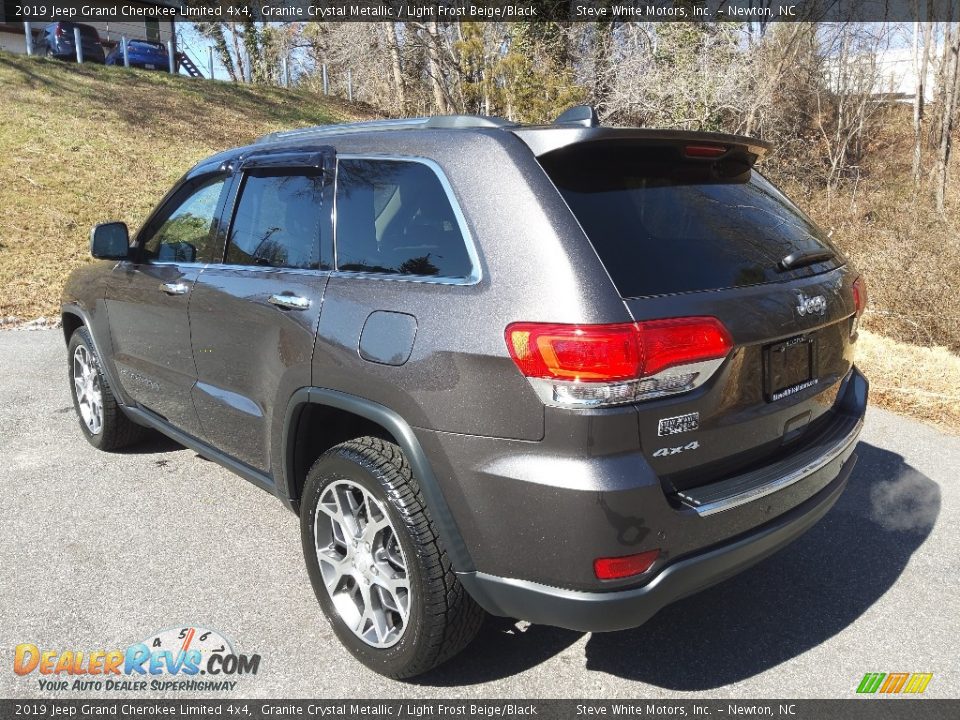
x=923, y=382
x=84, y=144
x=909, y=254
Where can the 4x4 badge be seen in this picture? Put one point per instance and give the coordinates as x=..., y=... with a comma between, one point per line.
x=663, y=452
x=816, y=305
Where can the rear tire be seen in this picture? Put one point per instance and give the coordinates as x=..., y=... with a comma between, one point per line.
x=102, y=420
x=385, y=568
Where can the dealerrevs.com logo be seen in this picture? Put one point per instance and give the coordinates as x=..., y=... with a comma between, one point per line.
x=187, y=659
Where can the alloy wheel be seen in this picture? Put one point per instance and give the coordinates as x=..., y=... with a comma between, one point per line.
x=86, y=387
x=363, y=566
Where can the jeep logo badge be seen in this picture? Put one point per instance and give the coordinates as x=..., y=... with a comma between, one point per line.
x=816, y=305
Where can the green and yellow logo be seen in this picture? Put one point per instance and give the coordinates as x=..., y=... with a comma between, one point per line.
x=894, y=683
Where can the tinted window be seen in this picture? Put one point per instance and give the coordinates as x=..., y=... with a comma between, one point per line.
x=183, y=232
x=86, y=31
x=662, y=224
x=394, y=217
x=277, y=222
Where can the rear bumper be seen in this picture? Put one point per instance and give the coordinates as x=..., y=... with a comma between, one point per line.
x=619, y=610
x=555, y=532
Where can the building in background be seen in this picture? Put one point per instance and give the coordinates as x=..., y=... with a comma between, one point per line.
x=13, y=39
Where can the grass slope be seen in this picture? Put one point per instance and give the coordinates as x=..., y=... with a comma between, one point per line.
x=84, y=144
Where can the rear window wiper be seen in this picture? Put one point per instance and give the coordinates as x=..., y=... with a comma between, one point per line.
x=802, y=259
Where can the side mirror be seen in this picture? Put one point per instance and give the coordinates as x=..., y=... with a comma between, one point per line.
x=110, y=241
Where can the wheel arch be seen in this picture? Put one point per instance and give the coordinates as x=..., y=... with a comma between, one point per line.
x=71, y=321
x=351, y=414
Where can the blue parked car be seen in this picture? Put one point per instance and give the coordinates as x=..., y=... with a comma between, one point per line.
x=57, y=41
x=142, y=54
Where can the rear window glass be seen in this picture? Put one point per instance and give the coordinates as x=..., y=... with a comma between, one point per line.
x=662, y=224
x=394, y=217
x=146, y=46
x=86, y=31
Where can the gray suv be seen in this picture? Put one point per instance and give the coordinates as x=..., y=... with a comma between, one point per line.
x=564, y=373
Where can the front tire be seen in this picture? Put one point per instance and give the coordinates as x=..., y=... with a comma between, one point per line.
x=102, y=420
x=377, y=565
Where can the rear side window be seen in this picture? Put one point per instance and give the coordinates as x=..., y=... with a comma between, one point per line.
x=277, y=222
x=394, y=217
x=662, y=224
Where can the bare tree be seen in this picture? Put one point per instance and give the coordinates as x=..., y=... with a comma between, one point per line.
x=391, y=35
x=950, y=79
x=847, y=103
x=922, y=41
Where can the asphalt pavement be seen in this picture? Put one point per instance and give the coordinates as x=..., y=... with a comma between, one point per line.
x=103, y=550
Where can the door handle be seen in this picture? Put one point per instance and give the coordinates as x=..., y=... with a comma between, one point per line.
x=290, y=302
x=175, y=288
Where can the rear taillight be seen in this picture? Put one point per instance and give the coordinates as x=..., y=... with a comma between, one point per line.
x=59, y=31
x=584, y=353
x=596, y=365
x=614, y=568
x=859, y=303
x=860, y=295
x=681, y=341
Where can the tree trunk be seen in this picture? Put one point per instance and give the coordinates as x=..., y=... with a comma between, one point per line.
x=393, y=45
x=921, y=64
x=950, y=78
x=602, y=51
x=238, y=54
x=433, y=61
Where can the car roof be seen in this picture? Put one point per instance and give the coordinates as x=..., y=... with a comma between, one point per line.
x=576, y=126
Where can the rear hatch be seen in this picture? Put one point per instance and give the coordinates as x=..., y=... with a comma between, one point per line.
x=89, y=38
x=687, y=227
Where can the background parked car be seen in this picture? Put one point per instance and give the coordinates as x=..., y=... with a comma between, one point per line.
x=57, y=41
x=141, y=54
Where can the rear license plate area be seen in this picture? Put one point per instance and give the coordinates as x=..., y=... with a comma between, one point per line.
x=789, y=367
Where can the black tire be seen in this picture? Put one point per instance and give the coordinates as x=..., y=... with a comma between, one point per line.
x=116, y=429
x=443, y=619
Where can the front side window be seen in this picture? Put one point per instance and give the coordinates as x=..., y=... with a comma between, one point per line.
x=184, y=232
x=394, y=217
x=277, y=221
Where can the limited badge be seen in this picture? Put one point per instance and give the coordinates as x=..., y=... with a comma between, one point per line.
x=678, y=424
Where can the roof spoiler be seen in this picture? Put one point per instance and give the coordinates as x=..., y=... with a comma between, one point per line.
x=549, y=138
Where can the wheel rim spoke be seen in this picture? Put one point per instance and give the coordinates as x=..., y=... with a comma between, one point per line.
x=86, y=386
x=362, y=563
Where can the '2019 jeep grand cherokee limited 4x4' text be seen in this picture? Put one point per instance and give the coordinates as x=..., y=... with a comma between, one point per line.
x=563, y=373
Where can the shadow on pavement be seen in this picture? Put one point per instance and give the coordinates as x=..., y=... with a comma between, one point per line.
x=786, y=605
x=153, y=443
x=500, y=650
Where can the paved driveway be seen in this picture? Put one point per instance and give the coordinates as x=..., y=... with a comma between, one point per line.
x=100, y=551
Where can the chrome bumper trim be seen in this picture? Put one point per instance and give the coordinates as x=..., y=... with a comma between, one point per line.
x=779, y=483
